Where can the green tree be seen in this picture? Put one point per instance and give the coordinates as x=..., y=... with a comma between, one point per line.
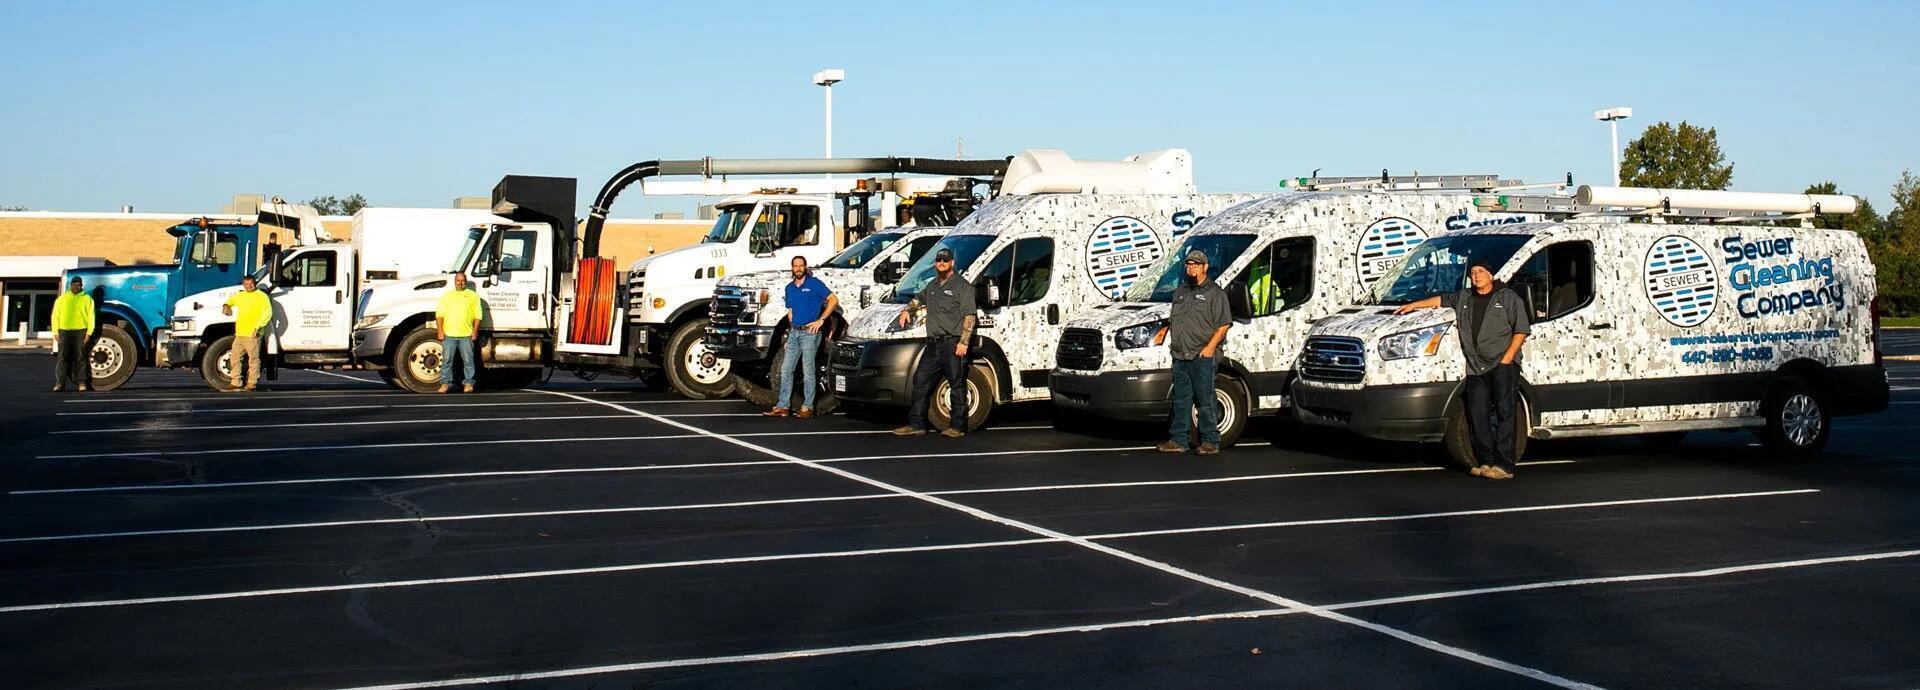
x=1670, y=157
x=338, y=206
x=1895, y=248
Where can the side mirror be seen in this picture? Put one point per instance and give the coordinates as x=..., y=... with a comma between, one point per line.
x=1238, y=305
x=892, y=271
x=495, y=242
x=993, y=295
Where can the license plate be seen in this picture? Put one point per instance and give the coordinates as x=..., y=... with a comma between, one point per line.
x=839, y=384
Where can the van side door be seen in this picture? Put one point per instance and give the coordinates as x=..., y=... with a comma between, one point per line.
x=1022, y=277
x=1569, y=360
x=1278, y=282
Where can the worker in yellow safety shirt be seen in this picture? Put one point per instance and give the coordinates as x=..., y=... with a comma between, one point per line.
x=456, y=321
x=72, y=327
x=251, y=311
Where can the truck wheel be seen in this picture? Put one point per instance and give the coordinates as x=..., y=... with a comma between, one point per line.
x=214, y=365
x=416, y=363
x=980, y=400
x=1460, y=446
x=692, y=369
x=1231, y=395
x=1798, y=423
x=113, y=358
x=824, y=401
x=388, y=376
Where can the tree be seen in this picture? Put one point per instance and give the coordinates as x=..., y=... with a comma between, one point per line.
x=12, y=208
x=338, y=206
x=1895, y=248
x=1669, y=157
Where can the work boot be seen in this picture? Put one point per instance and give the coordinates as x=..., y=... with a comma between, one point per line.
x=775, y=412
x=908, y=431
x=1478, y=471
x=1496, y=473
x=953, y=433
x=1171, y=447
x=59, y=389
x=467, y=388
x=1208, y=449
x=444, y=388
x=82, y=388
x=804, y=413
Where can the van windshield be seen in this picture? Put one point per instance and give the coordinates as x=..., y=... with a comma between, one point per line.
x=1159, y=280
x=466, y=249
x=965, y=248
x=863, y=251
x=727, y=226
x=1440, y=265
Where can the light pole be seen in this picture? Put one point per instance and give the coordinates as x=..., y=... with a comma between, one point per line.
x=1613, y=116
x=827, y=78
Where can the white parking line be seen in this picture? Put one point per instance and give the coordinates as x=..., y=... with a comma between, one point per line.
x=381, y=422
x=1269, y=597
x=705, y=506
x=346, y=393
x=349, y=378
x=536, y=574
x=316, y=408
x=465, y=442
x=1098, y=627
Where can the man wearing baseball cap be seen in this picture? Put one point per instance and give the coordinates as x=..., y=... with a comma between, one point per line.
x=948, y=299
x=1199, y=322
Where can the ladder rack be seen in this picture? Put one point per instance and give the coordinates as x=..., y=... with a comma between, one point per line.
x=1565, y=208
x=1384, y=182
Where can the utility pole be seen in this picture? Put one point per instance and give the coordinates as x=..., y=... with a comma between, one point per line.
x=827, y=78
x=1613, y=116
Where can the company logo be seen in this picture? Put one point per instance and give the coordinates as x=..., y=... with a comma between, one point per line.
x=1184, y=221
x=1681, y=281
x=1384, y=244
x=1121, y=248
x=1459, y=221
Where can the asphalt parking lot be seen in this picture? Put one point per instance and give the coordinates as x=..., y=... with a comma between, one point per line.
x=333, y=533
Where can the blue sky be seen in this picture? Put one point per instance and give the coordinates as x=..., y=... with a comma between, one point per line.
x=174, y=106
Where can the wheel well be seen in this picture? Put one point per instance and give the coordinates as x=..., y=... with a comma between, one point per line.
x=997, y=368
x=1814, y=372
x=213, y=332
x=400, y=332
x=685, y=313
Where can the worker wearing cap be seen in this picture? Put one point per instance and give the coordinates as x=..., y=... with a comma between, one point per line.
x=456, y=320
x=948, y=299
x=72, y=326
x=1199, y=322
x=251, y=311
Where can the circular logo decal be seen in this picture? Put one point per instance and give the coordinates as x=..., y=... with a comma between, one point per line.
x=1384, y=243
x=1680, y=281
x=1121, y=248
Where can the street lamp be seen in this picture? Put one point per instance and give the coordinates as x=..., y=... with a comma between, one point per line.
x=827, y=78
x=1613, y=116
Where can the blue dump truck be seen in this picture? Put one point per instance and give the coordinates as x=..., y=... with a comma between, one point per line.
x=136, y=302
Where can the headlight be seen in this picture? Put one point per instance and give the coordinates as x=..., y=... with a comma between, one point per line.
x=369, y=320
x=1423, y=342
x=893, y=324
x=1143, y=335
x=183, y=323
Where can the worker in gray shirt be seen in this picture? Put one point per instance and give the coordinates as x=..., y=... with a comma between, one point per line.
x=948, y=299
x=1493, y=322
x=1199, y=322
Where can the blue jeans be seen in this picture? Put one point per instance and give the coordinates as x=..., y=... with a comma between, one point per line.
x=802, y=348
x=461, y=348
x=1193, y=385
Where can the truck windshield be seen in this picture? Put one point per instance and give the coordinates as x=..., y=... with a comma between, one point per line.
x=965, y=248
x=474, y=235
x=1440, y=265
x=863, y=251
x=1159, y=280
x=727, y=227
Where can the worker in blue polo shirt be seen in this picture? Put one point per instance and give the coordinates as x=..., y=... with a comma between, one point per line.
x=809, y=303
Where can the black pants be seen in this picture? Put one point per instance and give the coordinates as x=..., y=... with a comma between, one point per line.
x=70, y=366
x=936, y=362
x=1492, y=399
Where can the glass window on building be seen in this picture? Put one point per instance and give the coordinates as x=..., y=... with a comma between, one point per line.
x=29, y=304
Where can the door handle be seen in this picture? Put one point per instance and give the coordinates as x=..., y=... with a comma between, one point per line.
x=1599, y=326
x=533, y=302
x=336, y=297
x=1053, y=314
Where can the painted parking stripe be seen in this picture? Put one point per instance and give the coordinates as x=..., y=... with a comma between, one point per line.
x=709, y=506
x=349, y=378
x=1099, y=627
x=344, y=393
x=318, y=408
x=432, y=444
x=812, y=555
x=379, y=422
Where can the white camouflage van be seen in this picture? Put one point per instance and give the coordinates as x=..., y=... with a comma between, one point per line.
x=1638, y=328
x=1286, y=261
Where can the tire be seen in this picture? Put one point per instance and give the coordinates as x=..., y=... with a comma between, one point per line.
x=1460, y=447
x=824, y=401
x=417, y=361
x=1231, y=395
x=215, y=368
x=981, y=396
x=693, y=371
x=1799, y=420
x=388, y=376
x=112, y=358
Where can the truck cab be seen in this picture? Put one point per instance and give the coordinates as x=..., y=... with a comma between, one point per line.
x=669, y=294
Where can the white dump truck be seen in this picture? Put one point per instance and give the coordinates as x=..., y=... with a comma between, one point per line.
x=316, y=283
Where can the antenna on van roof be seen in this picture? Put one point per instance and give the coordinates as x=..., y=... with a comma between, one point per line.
x=1659, y=205
x=1384, y=182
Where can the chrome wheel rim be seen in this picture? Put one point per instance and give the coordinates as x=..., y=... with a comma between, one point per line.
x=106, y=357
x=1801, y=420
x=942, y=397
x=1225, y=404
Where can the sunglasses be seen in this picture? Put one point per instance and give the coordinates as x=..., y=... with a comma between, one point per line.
x=1196, y=263
x=943, y=261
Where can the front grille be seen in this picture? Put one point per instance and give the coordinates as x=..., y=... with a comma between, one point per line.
x=1079, y=349
x=1333, y=359
x=727, y=306
x=848, y=355
x=636, y=291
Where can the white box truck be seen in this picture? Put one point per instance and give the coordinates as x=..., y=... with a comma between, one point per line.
x=1718, y=315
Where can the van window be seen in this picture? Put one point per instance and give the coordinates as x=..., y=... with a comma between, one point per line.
x=1556, y=280
x=307, y=269
x=1024, y=272
x=1280, y=277
x=920, y=246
